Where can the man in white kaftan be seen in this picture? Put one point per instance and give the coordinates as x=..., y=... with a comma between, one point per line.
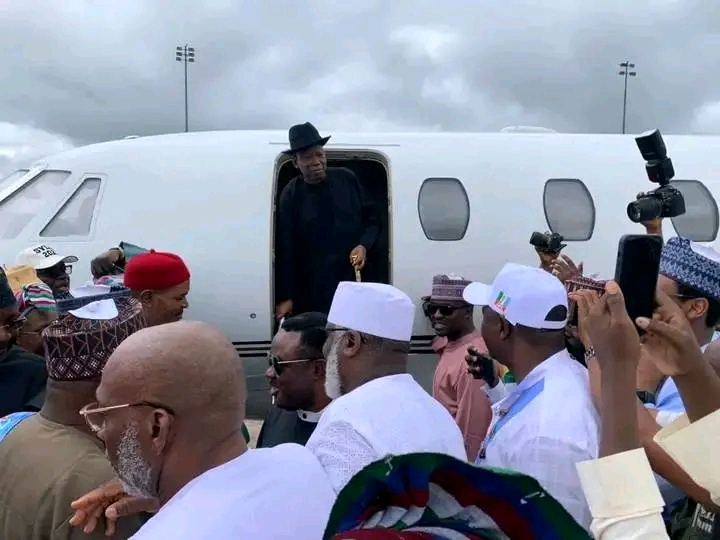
x=378, y=408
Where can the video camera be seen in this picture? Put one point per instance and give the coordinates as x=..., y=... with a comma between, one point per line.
x=547, y=242
x=664, y=201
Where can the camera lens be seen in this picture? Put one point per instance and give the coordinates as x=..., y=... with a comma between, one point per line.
x=644, y=209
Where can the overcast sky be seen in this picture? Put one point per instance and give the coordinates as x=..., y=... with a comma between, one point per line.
x=77, y=72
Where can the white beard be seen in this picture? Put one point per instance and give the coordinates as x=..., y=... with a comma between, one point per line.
x=333, y=386
x=134, y=472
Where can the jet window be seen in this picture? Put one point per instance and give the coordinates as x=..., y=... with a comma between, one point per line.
x=443, y=209
x=700, y=222
x=25, y=204
x=76, y=215
x=10, y=178
x=569, y=208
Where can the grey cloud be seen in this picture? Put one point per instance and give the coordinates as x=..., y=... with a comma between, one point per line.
x=96, y=74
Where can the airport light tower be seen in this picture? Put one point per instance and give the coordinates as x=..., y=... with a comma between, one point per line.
x=186, y=55
x=626, y=72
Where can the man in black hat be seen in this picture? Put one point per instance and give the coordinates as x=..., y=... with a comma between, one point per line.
x=326, y=226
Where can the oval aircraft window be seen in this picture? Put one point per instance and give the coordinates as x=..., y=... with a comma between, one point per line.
x=443, y=209
x=700, y=222
x=569, y=208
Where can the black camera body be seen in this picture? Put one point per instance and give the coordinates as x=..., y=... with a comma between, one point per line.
x=547, y=242
x=664, y=201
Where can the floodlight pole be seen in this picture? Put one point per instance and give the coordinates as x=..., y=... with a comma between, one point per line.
x=627, y=66
x=186, y=55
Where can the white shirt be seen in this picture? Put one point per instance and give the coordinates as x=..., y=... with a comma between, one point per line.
x=546, y=425
x=620, y=488
x=279, y=493
x=389, y=415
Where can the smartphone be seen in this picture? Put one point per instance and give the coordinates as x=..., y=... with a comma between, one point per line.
x=636, y=272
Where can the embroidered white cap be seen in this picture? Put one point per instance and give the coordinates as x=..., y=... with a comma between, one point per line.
x=524, y=295
x=100, y=310
x=42, y=256
x=373, y=308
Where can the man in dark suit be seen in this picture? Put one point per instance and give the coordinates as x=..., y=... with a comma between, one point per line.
x=326, y=225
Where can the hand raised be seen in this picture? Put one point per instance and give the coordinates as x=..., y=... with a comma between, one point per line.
x=605, y=321
x=670, y=342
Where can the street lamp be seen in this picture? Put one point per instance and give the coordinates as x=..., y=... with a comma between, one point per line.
x=627, y=66
x=186, y=55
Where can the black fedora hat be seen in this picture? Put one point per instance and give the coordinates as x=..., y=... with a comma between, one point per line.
x=303, y=136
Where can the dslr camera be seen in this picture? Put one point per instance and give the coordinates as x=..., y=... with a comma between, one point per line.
x=664, y=201
x=547, y=242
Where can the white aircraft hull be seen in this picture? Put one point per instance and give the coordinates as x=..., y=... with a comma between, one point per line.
x=210, y=198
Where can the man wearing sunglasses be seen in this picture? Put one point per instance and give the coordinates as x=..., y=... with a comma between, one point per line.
x=52, y=268
x=296, y=373
x=461, y=394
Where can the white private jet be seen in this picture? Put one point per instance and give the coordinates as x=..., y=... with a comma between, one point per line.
x=451, y=202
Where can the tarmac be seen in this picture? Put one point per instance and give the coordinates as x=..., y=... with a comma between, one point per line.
x=254, y=429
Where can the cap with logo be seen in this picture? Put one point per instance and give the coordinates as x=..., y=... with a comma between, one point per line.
x=523, y=295
x=42, y=256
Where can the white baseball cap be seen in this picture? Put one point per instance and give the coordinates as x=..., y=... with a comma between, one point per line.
x=523, y=295
x=42, y=256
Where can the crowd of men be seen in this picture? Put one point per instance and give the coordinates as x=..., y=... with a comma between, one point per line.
x=119, y=419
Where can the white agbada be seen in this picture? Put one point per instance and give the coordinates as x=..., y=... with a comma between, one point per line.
x=389, y=415
x=279, y=493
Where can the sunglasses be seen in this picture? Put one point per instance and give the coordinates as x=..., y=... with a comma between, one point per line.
x=278, y=364
x=445, y=311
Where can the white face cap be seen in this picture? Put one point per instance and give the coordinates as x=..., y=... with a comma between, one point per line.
x=523, y=295
x=42, y=256
x=373, y=308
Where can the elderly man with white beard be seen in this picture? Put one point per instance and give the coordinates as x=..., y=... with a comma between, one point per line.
x=170, y=408
x=378, y=408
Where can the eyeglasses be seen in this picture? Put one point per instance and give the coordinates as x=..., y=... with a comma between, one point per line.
x=95, y=415
x=277, y=363
x=55, y=271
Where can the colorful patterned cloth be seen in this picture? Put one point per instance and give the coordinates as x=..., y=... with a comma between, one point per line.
x=448, y=288
x=447, y=499
x=693, y=265
x=36, y=296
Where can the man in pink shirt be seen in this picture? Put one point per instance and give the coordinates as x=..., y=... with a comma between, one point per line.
x=453, y=386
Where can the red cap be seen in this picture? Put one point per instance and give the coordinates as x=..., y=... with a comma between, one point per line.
x=154, y=271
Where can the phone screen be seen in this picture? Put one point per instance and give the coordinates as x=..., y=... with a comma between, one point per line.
x=636, y=272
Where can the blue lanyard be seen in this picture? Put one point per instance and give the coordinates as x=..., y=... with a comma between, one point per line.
x=9, y=422
x=525, y=398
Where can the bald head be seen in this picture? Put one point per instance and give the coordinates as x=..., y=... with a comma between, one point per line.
x=187, y=366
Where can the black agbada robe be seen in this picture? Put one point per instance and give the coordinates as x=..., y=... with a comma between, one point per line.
x=318, y=227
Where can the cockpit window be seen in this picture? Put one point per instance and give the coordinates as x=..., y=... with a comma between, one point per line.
x=10, y=178
x=76, y=215
x=20, y=208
